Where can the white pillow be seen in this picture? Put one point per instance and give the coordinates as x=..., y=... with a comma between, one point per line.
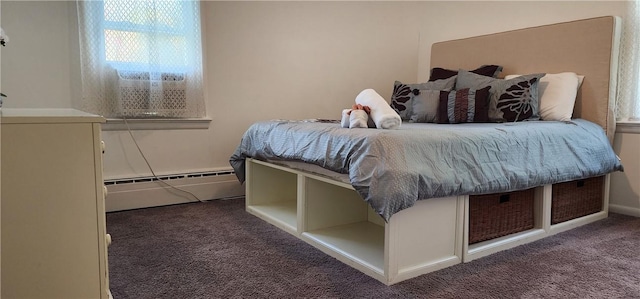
x=557, y=95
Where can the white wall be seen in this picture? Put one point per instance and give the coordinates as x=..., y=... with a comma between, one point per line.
x=36, y=64
x=268, y=60
x=625, y=186
x=299, y=60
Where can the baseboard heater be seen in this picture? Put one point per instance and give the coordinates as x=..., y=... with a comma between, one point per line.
x=166, y=177
x=148, y=191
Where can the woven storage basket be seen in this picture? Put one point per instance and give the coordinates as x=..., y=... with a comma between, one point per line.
x=575, y=199
x=500, y=214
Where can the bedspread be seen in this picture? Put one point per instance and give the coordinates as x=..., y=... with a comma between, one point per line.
x=391, y=169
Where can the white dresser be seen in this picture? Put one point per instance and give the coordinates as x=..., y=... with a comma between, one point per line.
x=54, y=241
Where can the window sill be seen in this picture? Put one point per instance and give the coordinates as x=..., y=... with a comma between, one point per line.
x=117, y=124
x=628, y=127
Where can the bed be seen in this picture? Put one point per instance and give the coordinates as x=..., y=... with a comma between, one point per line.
x=408, y=226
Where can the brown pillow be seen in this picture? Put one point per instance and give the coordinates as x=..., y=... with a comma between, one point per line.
x=438, y=73
x=464, y=106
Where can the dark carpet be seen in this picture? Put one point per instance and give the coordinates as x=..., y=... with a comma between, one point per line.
x=217, y=250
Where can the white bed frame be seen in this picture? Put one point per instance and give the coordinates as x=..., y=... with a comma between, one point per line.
x=433, y=234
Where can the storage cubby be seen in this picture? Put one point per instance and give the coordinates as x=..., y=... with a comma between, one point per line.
x=500, y=214
x=415, y=241
x=337, y=219
x=510, y=230
x=273, y=197
x=574, y=203
x=575, y=199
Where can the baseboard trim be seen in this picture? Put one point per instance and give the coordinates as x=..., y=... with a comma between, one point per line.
x=624, y=210
x=153, y=194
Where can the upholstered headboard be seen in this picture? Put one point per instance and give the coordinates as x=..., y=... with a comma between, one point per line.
x=587, y=47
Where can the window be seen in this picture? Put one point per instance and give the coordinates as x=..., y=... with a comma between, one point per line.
x=141, y=59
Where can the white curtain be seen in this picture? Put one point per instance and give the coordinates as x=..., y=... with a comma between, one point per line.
x=628, y=100
x=141, y=59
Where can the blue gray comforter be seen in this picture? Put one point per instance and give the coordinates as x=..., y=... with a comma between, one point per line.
x=391, y=169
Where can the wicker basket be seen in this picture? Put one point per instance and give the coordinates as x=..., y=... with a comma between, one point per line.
x=500, y=214
x=575, y=199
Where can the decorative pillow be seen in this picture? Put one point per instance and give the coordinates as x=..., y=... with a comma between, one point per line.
x=509, y=100
x=425, y=106
x=464, y=106
x=438, y=73
x=402, y=94
x=557, y=95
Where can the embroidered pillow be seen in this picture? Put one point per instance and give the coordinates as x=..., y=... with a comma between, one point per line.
x=402, y=94
x=557, y=94
x=438, y=73
x=509, y=100
x=425, y=106
x=464, y=106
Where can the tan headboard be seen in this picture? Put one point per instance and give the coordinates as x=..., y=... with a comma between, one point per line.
x=587, y=47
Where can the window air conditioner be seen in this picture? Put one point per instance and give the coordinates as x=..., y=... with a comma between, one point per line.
x=150, y=94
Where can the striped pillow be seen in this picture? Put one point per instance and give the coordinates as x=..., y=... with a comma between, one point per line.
x=464, y=106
